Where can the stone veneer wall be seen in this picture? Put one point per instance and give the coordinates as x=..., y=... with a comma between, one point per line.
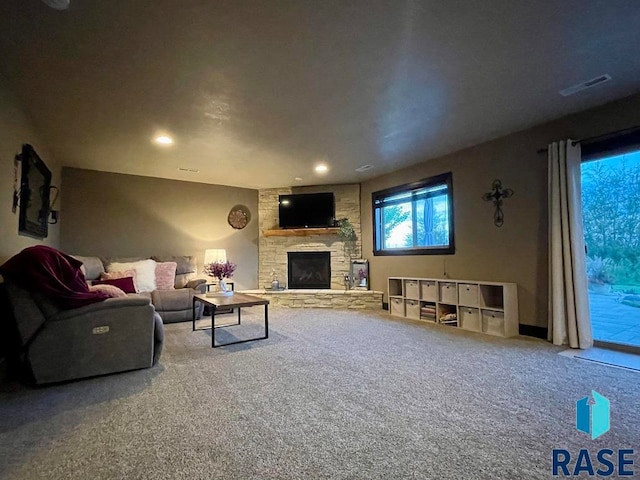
x=272, y=251
x=338, y=299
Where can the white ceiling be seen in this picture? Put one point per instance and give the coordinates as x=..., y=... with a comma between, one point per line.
x=257, y=92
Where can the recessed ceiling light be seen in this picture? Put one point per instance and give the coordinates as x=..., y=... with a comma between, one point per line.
x=321, y=168
x=298, y=179
x=163, y=140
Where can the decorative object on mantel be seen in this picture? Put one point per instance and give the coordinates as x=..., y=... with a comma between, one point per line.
x=497, y=195
x=345, y=230
x=359, y=273
x=239, y=217
x=275, y=283
x=216, y=265
x=347, y=234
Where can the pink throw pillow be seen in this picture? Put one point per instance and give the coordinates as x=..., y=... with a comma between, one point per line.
x=109, y=290
x=117, y=275
x=166, y=275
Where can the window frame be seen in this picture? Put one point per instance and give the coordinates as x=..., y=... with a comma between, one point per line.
x=442, y=179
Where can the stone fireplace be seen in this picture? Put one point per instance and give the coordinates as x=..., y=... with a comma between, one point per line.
x=275, y=253
x=309, y=270
x=273, y=250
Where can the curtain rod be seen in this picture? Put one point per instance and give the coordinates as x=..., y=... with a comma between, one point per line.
x=597, y=137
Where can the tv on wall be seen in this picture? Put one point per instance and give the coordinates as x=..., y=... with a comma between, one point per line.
x=307, y=210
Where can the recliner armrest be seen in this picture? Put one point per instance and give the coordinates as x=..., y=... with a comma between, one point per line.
x=108, y=304
x=197, y=284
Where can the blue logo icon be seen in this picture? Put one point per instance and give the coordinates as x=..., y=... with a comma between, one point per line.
x=593, y=418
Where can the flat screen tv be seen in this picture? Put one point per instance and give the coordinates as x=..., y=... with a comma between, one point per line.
x=307, y=210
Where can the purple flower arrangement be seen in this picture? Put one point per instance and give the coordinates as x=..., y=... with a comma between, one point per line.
x=220, y=270
x=362, y=274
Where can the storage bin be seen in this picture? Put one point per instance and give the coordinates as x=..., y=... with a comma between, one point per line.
x=428, y=290
x=412, y=289
x=468, y=294
x=412, y=309
x=396, y=307
x=448, y=293
x=470, y=319
x=493, y=322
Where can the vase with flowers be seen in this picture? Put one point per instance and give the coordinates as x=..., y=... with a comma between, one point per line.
x=221, y=271
x=362, y=275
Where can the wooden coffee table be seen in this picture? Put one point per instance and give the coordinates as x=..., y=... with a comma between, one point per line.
x=237, y=300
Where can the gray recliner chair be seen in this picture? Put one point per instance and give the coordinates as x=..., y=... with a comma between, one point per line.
x=55, y=345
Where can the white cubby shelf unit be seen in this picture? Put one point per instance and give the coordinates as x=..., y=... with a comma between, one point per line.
x=487, y=307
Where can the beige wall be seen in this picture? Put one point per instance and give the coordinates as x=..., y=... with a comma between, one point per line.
x=15, y=130
x=516, y=252
x=108, y=214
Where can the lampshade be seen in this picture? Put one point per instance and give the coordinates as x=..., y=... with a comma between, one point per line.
x=215, y=255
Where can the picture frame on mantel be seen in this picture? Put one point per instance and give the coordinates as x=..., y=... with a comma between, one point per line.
x=35, y=184
x=359, y=274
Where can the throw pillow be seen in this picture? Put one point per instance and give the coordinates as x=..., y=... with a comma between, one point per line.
x=110, y=290
x=145, y=273
x=123, y=274
x=123, y=283
x=186, y=264
x=166, y=275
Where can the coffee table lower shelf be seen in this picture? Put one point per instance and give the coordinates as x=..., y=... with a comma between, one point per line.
x=237, y=300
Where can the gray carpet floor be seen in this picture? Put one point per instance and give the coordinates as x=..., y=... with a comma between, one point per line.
x=330, y=394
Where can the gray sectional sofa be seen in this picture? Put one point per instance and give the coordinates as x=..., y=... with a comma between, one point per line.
x=172, y=305
x=47, y=344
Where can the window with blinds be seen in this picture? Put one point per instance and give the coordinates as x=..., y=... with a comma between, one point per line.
x=415, y=219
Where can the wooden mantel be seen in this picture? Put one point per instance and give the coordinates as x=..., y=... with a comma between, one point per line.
x=299, y=232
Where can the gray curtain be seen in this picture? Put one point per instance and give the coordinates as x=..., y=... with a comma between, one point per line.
x=569, y=318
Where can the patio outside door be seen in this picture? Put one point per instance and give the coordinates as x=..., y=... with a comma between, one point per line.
x=611, y=215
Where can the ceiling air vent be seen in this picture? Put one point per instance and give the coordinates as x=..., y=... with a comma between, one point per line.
x=364, y=168
x=584, y=85
x=189, y=170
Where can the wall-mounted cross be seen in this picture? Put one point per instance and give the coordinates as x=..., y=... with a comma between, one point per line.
x=497, y=195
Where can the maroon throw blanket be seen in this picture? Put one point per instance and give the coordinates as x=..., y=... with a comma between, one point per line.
x=52, y=273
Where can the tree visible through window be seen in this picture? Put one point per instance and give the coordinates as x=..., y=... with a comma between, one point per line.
x=415, y=218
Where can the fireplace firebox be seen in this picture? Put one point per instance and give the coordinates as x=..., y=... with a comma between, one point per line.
x=309, y=270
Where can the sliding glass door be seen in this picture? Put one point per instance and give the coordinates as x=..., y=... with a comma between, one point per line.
x=611, y=215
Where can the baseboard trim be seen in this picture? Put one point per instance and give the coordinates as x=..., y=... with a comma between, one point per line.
x=534, y=331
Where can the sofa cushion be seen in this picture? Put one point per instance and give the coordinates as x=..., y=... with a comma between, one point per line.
x=92, y=266
x=166, y=275
x=145, y=273
x=172, y=300
x=185, y=270
x=109, y=260
x=184, y=263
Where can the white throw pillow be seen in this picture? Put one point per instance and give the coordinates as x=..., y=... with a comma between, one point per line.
x=145, y=273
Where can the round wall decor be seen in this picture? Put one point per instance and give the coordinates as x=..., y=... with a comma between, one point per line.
x=239, y=217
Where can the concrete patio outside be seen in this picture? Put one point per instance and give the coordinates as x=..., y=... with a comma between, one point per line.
x=613, y=321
